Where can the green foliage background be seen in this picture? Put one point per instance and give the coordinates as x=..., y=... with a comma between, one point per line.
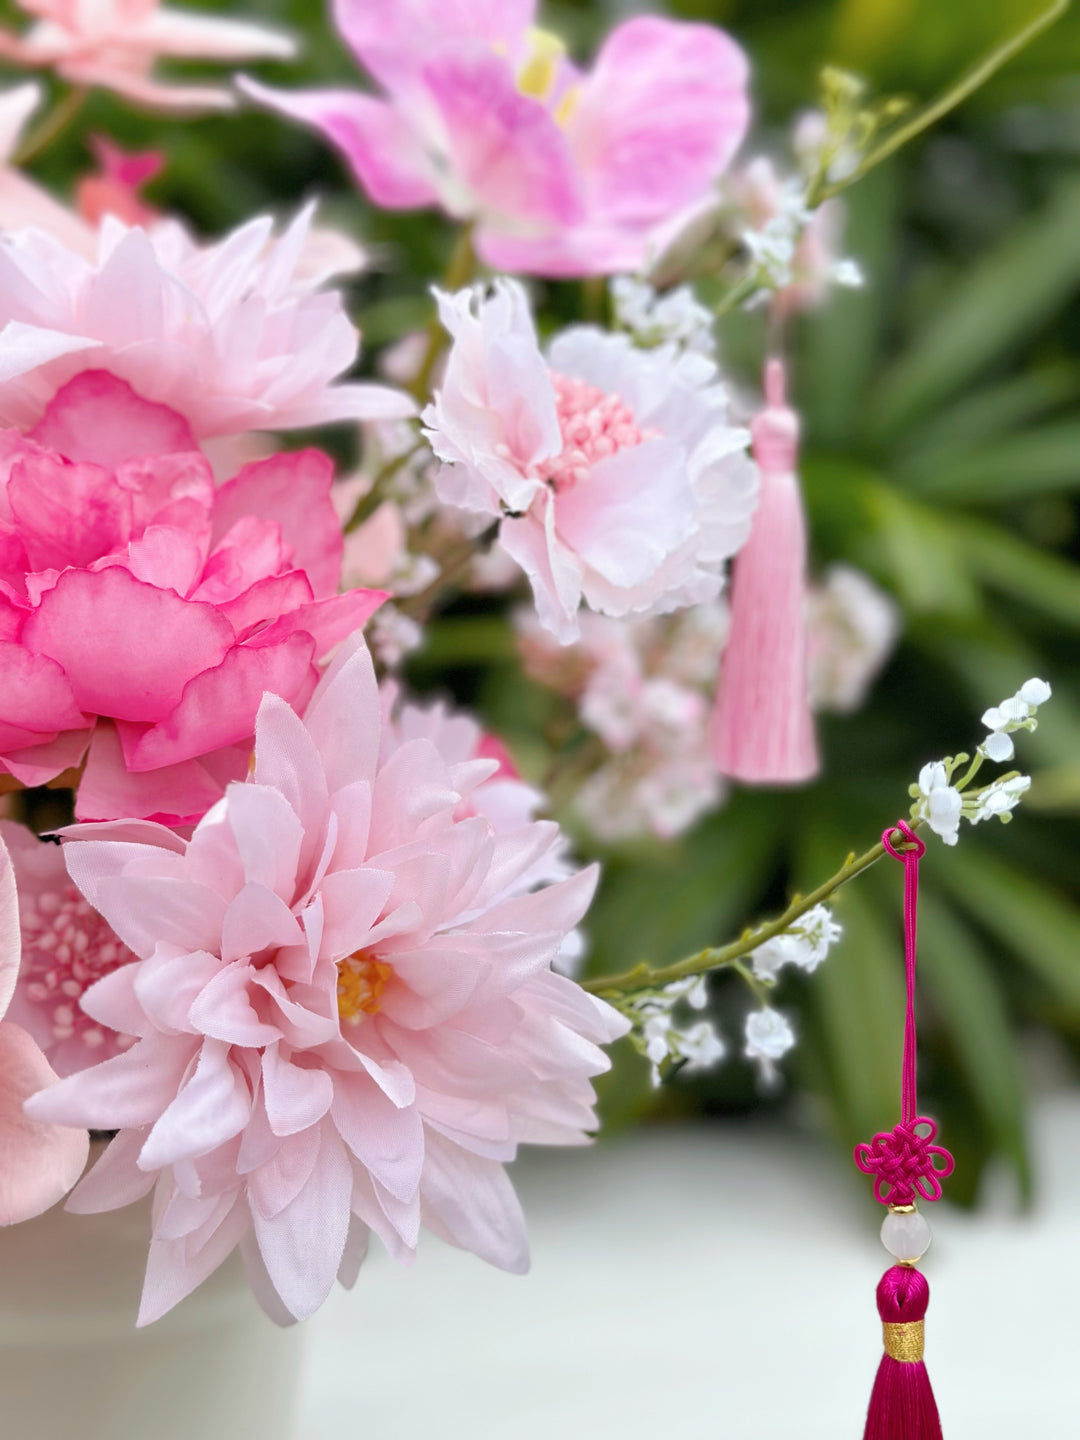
x=943, y=457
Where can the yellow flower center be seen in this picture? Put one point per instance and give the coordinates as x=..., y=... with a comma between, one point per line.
x=539, y=73
x=361, y=982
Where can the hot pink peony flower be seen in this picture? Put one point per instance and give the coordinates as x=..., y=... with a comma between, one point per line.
x=114, y=44
x=616, y=473
x=66, y=948
x=233, y=336
x=566, y=173
x=133, y=592
x=22, y=201
x=347, y=1019
x=39, y=1162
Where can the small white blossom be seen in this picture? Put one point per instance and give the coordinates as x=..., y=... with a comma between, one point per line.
x=393, y=635
x=1000, y=798
x=700, y=1047
x=768, y=1037
x=998, y=746
x=663, y=1041
x=676, y=317
x=941, y=804
x=805, y=944
x=1035, y=692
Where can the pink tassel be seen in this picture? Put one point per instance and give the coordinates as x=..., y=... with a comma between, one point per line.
x=763, y=731
x=902, y=1405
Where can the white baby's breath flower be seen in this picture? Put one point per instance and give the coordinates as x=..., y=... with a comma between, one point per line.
x=676, y=317
x=700, y=1047
x=805, y=944
x=768, y=1038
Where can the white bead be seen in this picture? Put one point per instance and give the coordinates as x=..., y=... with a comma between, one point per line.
x=905, y=1236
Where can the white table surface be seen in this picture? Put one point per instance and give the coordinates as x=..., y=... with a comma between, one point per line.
x=714, y=1283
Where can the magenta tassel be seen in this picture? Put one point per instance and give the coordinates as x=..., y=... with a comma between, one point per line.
x=763, y=731
x=902, y=1405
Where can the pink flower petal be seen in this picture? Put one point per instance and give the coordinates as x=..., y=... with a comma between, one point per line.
x=106, y=631
x=349, y=752
x=176, y=1267
x=131, y=1089
x=212, y=1107
x=10, y=934
x=292, y=489
x=471, y=1203
x=295, y=1097
x=257, y=919
x=36, y=695
x=388, y=1141
x=268, y=837
x=175, y=794
x=662, y=112
x=99, y=417
x=115, y=1180
x=388, y=42
x=277, y=1183
x=39, y=1162
x=377, y=140
x=504, y=146
x=223, y=1010
x=303, y=1245
x=218, y=706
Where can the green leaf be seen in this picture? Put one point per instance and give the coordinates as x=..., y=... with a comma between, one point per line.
x=1034, y=920
x=1016, y=467
x=959, y=979
x=1000, y=301
x=1021, y=571
x=918, y=549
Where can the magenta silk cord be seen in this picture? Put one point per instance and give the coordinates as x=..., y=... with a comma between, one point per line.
x=904, y=1161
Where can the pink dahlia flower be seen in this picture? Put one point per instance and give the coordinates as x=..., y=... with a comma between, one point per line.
x=39, y=1161
x=233, y=336
x=616, y=473
x=66, y=948
x=114, y=44
x=347, y=1018
x=566, y=173
x=134, y=592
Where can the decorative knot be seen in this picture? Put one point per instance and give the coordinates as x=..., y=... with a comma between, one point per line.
x=905, y=1162
x=908, y=844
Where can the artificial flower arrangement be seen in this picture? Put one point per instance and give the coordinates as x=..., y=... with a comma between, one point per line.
x=306, y=954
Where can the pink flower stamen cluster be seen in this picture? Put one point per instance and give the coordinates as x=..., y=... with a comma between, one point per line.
x=593, y=425
x=67, y=947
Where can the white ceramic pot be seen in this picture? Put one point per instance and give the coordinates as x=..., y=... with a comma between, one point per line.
x=73, y=1366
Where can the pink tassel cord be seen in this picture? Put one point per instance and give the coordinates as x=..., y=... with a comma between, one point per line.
x=902, y=1405
x=763, y=731
x=905, y=1164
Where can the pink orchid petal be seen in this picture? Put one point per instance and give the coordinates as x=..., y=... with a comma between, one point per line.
x=377, y=140
x=506, y=147
x=99, y=417
x=39, y=1162
x=387, y=41
x=662, y=112
x=106, y=631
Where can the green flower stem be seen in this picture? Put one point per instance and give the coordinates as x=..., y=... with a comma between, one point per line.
x=644, y=977
x=459, y=271
x=52, y=125
x=370, y=502
x=930, y=114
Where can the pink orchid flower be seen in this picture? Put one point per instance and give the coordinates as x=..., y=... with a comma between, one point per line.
x=114, y=44
x=565, y=172
x=39, y=1162
x=346, y=1014
x=143, y=611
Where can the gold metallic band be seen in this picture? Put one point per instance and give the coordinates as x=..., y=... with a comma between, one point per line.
x=904, y=1341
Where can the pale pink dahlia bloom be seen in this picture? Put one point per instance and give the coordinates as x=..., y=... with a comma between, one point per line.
x=115, y=43
x=66, y=948
x=565, y=172
x=616, y=473
x=39, y=1161
x=233, y=336
x=346, y=1013
x=135, y=593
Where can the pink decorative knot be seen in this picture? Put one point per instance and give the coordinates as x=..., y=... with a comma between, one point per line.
x=593, y=424
x=904, y=1161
